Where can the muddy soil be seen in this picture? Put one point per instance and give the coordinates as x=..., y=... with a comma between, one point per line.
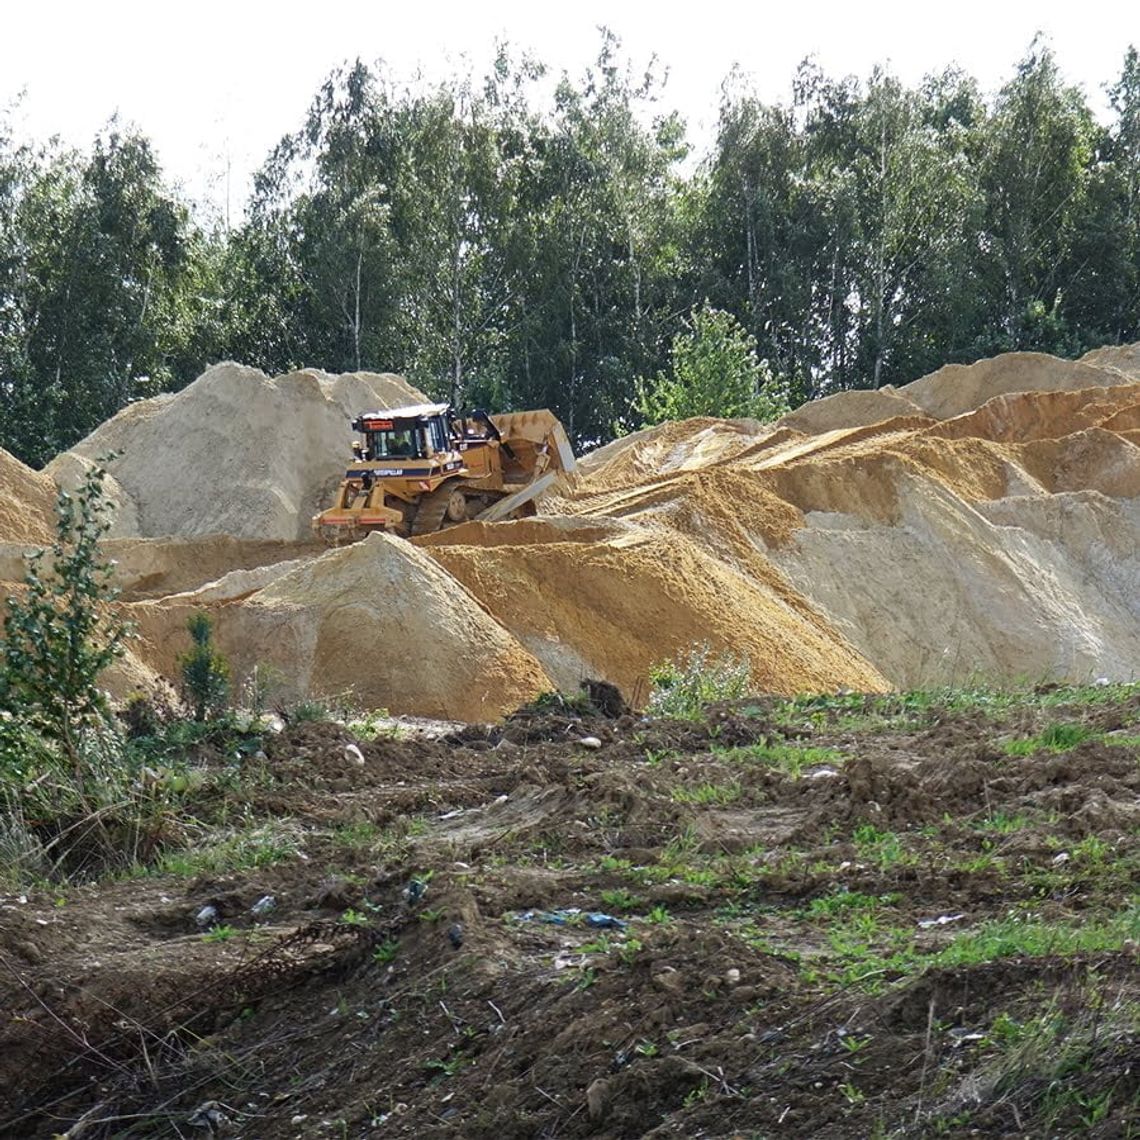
x=788, y=920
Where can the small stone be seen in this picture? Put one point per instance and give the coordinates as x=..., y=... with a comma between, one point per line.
x=598, y=1098
x=590, y=742
x=732, y=977
x=30, y=952
x=455, y=935
x=207, y=916
x=264, y=906
x=353, y=755
x=335, y=894
x=670, y=981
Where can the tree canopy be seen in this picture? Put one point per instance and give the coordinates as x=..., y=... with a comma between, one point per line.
x=511, y=241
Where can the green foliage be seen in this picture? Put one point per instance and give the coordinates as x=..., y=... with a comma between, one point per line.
x=794, y=759
x=714, y=372
x=386, y=951
x=513, y=242
x=682, y=687
x=707, y=793
x=106, y=287
x=237, y=848
x=60, y=633
x=205, y=672
x=1059, y=737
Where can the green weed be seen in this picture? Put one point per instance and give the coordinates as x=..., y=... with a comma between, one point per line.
x=221, y=933
x=683, y=686
x=706, y=794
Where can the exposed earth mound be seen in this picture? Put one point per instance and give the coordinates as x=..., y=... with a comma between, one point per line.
x=26, y=501
x=841, y=917
x=378, y=620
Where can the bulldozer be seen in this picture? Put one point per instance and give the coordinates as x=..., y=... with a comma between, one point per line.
x=419, y=469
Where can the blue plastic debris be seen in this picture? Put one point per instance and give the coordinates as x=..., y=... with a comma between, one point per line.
x=604, y=921
x=571, y=914
x=414, y=891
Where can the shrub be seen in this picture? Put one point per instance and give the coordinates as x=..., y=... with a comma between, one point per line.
x=715, y=372
x=682, y=687
x=205, y=672
x=60, y=633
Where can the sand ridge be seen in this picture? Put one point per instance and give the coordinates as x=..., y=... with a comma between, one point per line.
x=983, y=522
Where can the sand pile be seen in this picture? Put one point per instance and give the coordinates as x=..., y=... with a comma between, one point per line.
x=983, y=522
x=27, y=503
x=615, y=607
x=959, y=388
x=237, y=452
x=378, y=619
x=995, y=534
x=1124, y=358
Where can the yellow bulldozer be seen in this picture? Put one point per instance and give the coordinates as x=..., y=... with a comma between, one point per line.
x=416, y=470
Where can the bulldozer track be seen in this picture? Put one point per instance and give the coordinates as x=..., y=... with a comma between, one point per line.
x=432, y=509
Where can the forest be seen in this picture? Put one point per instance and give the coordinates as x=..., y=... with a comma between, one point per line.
x=519, y=240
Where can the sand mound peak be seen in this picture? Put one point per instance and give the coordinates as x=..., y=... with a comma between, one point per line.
x=236, y=452
x=958, y=388
x=27, y=502
x=378, y=620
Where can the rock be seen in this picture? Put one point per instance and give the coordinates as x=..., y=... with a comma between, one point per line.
x=207, y=916
x=263, y=907
x=455, y=935
x=732, y=977
x=590, y=742
x=30, y=952
x=606, y=698
x=335, y=894
x=353, y=755
x=598, y=1098
x=670, y=981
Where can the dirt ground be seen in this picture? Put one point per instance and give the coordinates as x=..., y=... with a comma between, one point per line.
x=842, y=917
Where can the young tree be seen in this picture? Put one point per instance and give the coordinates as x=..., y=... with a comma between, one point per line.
x=60, y=633
x=205, y=672
x=715, y=372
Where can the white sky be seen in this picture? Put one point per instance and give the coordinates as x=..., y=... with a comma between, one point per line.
x=211, y=80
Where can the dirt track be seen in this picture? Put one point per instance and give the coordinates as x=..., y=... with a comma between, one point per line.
x=844, y=917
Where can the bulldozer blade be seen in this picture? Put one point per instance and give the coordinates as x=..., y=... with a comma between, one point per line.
x=505, y=507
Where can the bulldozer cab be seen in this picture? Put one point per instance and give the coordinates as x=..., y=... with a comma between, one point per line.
x=410, y=433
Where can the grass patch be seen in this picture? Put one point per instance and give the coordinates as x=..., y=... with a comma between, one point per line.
x=260, y=846
x=841, y=901
x=792, y=759
x=707, y=794
x=1059, y=737
x=682, y=687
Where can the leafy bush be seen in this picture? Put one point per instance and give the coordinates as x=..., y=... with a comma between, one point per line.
x=715, y=372
x=75, y=800
x=682, y=687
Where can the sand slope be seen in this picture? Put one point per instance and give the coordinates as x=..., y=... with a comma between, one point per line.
x=236, y=452
x=980, y=523
x=27, y=500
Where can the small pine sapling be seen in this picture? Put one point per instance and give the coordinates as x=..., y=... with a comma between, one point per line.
x=205, y=672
